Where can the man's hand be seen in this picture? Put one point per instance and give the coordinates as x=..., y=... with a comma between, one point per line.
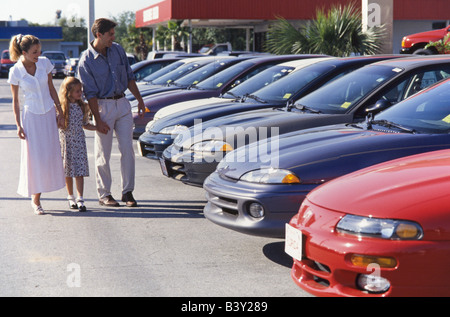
x=102, y=127
x=141, y=108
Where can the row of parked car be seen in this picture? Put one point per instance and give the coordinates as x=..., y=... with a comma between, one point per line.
x=347, y=159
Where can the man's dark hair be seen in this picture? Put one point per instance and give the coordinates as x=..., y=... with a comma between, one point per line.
x=102, y=25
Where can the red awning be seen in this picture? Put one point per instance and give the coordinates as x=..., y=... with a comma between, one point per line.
x=250, y=12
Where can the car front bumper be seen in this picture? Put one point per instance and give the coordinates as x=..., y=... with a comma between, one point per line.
x=152, y=145
x=229, y=201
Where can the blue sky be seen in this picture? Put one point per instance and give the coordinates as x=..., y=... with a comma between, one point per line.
x=43, y=11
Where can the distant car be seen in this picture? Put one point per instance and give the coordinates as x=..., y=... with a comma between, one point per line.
x=71, y=67
x=170, y=54
x=145, y=68
x=132, y=59
x=161, y=133
x=258, y=188
x=215, y=85
x=5, y=63
x=356, y=81
x=58, y=60
x=380, y=231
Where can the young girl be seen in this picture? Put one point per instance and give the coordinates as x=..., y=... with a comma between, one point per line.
x=72, y=139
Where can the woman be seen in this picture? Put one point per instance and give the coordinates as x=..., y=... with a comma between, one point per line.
x=41, y=168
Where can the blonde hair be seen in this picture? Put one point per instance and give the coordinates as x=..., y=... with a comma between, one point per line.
x=21, y=43
x=64, y=97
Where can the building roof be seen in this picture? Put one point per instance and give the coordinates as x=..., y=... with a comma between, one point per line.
x=250, y=12
x=42, y=32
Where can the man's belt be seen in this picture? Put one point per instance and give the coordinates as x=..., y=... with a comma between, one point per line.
x=115, y=97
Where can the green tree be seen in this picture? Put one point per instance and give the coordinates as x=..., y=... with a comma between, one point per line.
x=337, y=32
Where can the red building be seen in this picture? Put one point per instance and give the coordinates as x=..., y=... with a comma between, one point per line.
x=409, y=16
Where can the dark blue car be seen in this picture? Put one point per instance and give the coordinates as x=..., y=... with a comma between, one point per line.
x=276, y=95
x=258, y=188
x=196, y=153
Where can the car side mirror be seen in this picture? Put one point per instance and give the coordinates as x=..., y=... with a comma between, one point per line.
x=380, y=105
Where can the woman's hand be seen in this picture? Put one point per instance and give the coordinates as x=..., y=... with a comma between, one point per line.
x=21, y=133
x=60, y=121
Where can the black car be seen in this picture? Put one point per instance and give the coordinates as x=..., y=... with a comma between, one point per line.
x=160, y=133
x=195, y=154
x=258, y=188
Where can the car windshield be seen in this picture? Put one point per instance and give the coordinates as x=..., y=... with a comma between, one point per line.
x=342, y=94
x=176, y=73
x=163, y=71
x=259, y=81
x=218, y=80
x=204, y=72
x=426, y=112
x=55, y=56
x=283, y=89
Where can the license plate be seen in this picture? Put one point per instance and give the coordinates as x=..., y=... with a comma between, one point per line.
x=162, y=162
x=293, y=242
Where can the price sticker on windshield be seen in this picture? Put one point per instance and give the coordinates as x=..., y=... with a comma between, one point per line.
x=446, y=119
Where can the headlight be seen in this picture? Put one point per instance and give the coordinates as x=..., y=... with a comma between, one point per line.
x=174, y=129
x=212, y=146
x=380, y=228
x=271, y=176
x=149, y=125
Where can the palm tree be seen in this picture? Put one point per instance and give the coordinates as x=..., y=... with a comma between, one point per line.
x=337, y=33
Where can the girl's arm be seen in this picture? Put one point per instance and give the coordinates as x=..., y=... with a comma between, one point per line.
x=16, y=109
x=54, y=95
x=89, y=126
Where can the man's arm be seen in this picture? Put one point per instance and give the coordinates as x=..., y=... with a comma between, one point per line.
x=101, y=126
x=136, y=93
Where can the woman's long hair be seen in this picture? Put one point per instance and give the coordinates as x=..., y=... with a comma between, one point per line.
x=64, y=97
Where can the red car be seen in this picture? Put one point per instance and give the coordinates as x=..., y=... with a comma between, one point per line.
x=381, y=231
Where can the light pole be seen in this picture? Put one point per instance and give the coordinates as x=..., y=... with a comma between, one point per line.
x=91, y=20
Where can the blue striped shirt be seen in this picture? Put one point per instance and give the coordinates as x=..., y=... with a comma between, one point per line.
x=104, y=76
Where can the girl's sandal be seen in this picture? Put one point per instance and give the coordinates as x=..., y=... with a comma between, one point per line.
x=72, y=203
x=80, y=204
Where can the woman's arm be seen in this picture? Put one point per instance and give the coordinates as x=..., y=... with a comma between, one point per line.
x=54, y=95
x=16, y=110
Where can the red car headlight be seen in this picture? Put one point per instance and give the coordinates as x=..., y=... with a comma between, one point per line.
x=380, y=228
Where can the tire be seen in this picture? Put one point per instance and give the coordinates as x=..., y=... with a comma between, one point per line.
x=423, y=51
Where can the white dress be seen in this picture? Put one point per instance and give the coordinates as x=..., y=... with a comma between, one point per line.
x=41, y=166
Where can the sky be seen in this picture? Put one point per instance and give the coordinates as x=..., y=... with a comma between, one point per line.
x=43, y=11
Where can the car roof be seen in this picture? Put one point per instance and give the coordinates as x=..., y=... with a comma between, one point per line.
x=303, y=62
x=415, y=61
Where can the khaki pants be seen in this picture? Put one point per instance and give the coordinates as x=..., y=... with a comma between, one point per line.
x=117, y=114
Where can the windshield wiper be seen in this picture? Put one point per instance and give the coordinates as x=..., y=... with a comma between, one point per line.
x=390, y=124
x=236, y=97
x=256, y=98
x=306, y=108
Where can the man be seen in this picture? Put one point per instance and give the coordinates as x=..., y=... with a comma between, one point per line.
x=106, y=74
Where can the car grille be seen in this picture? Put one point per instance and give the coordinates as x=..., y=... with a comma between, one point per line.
x=176, y=170
x=225, y=205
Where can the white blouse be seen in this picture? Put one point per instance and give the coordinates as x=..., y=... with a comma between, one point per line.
x=35, y=88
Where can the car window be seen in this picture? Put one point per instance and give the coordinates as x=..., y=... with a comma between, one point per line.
x=412, y=84
x=260, y=80
x=426, y=112
x=163, y=71
x=204, y=72
x=343, y=94
x=55, y=56
x=283, y=89
x=148, y=70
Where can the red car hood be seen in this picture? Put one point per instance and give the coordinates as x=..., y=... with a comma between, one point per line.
x=413, y=188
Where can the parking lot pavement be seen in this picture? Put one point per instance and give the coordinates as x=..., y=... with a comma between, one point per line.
x=165, y=247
